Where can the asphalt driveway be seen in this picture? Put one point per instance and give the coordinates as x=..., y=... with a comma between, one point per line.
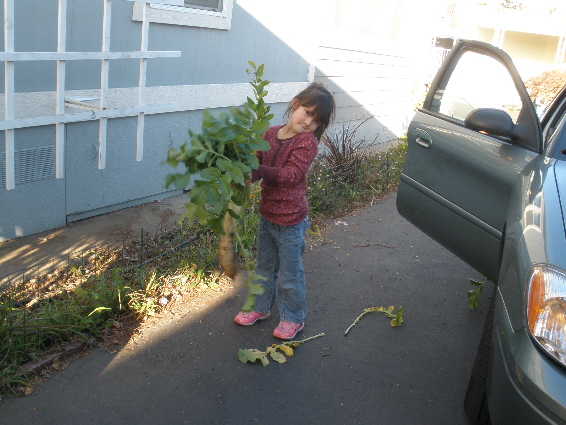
x=184, y=369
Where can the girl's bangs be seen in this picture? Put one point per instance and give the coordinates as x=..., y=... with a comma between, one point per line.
x=320, y=115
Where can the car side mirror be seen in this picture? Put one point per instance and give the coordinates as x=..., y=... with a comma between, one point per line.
x=491, y=121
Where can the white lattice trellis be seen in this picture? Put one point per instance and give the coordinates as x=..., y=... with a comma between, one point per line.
x=100, y=112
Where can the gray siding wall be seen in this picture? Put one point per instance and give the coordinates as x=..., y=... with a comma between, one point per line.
x=368, y=82
x=208, y=56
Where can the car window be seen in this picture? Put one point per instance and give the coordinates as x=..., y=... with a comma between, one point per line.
x=477, y=81
x=555, y=132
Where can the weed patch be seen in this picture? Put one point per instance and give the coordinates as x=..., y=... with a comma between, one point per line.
x=334, y=191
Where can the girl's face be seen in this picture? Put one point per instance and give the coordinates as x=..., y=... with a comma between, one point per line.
x=302, y=120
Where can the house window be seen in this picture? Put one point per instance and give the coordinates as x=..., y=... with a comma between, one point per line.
x=195, y=13
x=215, y=5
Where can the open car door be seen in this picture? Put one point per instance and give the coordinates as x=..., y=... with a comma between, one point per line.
x=477, y=132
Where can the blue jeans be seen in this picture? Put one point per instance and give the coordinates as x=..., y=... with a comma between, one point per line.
x=278, y=259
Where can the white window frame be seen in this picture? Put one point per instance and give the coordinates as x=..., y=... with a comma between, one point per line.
x=187, y=16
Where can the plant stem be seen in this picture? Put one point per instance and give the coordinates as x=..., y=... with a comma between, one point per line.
x=295, y=343
x=356, y=321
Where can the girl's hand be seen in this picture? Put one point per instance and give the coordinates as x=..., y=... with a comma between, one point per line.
x=248, y=180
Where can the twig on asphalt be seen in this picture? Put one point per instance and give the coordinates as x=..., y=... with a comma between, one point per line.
x=369, y=244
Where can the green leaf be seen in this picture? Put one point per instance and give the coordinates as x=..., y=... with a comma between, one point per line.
x=170, y=179
x=198, y=211
x=254, y=162
x=173, y=157
x=237, y=175
x=209, y=145
x=215, y=223
x=233, y=214
x=238, y=202
x=249, y=303
x=277, y=356
x=202, y=158
x=196, y=142
x=250, y=103
x=198, y=192
x=224, y=134
x=225, y=187
x=473, y=294
x=210, y=174
x=243, y=167
x=214, y=200
x=398, y=318
x=180, y=181
x=241, y=195
x=98, y=310
x=240, y=139
x=208, y=120
x=473, y=301
x=224, y=164
x=220, y=148
x=252, y=355
x=259, y=144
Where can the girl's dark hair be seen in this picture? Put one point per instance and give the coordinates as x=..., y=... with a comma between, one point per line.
x=318, y=97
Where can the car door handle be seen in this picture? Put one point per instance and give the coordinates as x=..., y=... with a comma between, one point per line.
x=423, y=139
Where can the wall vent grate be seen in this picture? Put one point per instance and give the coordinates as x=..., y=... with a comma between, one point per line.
x=30, y=165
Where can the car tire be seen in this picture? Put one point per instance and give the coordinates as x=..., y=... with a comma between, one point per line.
x=475, y=402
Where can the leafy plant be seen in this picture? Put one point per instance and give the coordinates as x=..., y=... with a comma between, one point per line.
x=397, y=318
x=252, y=355
x=222, y=155
x=473, y=294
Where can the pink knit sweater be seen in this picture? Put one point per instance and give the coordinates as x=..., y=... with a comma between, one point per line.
x=283, y=171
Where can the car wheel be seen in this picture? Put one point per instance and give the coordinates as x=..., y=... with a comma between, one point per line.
x=475, y=402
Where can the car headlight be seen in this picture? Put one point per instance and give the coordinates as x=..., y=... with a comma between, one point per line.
x=546, y=309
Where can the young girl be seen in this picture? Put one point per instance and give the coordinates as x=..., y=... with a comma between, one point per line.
x=283, y=210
